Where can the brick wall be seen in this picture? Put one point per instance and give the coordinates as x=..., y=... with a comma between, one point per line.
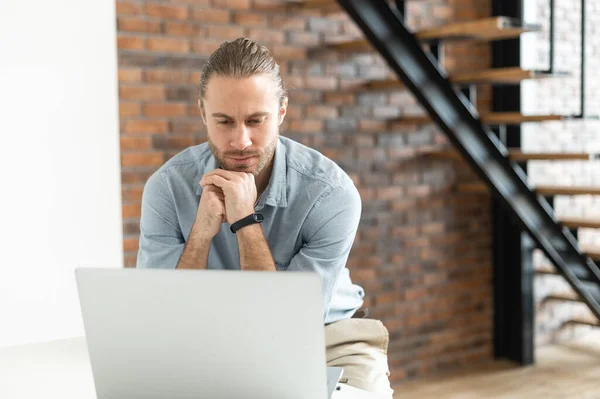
x=422, y=252
x=562, y=96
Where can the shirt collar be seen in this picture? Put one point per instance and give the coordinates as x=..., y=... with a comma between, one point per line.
x=276, y=192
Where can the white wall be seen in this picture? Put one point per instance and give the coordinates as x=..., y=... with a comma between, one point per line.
x=60, y=198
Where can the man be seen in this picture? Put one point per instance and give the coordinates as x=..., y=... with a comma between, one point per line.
x=252, y=200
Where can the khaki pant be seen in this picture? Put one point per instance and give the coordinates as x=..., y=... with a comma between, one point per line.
x=360, y=347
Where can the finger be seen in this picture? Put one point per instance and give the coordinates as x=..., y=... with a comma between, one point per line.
x=211, y=188
x=215, y=180
x=226, y=174
x=219, y=194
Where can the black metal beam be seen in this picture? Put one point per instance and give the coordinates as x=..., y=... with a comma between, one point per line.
x=514, y=320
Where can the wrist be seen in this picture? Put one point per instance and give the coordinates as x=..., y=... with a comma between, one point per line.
x=200, y=233
x=237, y=216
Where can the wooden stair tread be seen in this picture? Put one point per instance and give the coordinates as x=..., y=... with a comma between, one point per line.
x=583, y=321
x=547, y=191
x=491, y=118
x=501, y=75
x=493, y=28
x=494, y=75
x=546, y=269
x=501, y=118
x=558, y=190
x=564, y=296
x=576, y=223
x=517, y=155
x=593, y=252
x=351, y=46
x=473, y=188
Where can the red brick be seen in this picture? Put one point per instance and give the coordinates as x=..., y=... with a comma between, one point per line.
x=294, y=111
x=132, y=211
x=132, y=193
x=266, y=36
x=195, y=77
x=164, y=110
x=308, y=39
x=180, y=142
x=199, y=3
x=146, y=126
x=186, y=126
x=166, y=11
x=130, y=244
x=130, y=260
x=289, y=53
x=132, y=24
x=136, y=143
x=131, y=42
x=225, y=32
x=130, y=75
x=184, y=29
x=339, y=98
x=306, y=126
x=371, y=126
x=322, y=112
x=165, y=76
x=142, y=159
x=129, y=109
x=286, y=22
x=137, y=176
x=321, y=82
x=234, y=4
x=211, y=15
x=124, y=7
x=194, y=110
x=390, y=193
x=250, y=19
x=149, y=92
x=169, y=45
x=205, y=47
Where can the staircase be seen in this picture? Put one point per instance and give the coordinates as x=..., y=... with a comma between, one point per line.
x=476, y=136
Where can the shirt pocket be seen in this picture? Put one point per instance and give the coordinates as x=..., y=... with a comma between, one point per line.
x=282, y=266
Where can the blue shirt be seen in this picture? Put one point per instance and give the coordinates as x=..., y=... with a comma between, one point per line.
x=311, y=209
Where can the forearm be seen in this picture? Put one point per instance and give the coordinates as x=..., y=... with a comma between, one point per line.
x=195, y=252
x=255, y=253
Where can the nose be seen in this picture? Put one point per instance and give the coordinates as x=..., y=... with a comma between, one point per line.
x=241, y=139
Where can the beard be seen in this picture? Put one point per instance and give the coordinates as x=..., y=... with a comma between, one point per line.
x=259, y=159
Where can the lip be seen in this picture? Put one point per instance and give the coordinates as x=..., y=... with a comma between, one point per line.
x=241, y=160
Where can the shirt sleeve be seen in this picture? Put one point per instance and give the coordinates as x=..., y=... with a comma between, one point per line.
x=161, y=240
x=330, y=229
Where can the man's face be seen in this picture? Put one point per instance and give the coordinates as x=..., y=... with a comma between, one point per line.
x=242, y=117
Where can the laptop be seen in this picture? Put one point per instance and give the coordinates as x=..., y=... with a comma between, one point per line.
x=156, y=333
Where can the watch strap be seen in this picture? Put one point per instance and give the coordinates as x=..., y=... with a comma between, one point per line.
x=253, y=218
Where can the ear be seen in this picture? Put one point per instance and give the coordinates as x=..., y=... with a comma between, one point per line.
x=201, y=106
x=283, y=110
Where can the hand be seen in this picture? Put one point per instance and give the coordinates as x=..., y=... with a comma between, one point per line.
x=239, y=190
x=211, y=212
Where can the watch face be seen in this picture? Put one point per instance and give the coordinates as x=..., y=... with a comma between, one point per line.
x=258, y=217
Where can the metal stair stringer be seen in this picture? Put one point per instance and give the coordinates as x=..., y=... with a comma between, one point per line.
x=450, y=109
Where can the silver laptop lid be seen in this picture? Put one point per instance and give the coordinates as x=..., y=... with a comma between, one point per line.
x=213, y=334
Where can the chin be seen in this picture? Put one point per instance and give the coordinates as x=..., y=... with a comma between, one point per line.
x=242, y=168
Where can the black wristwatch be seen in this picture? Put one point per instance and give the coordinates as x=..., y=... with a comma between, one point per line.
x=247, y=221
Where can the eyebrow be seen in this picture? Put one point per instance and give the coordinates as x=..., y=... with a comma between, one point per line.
x=254, y=115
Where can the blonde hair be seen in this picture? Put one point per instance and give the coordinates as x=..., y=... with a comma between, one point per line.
x=241, y=58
